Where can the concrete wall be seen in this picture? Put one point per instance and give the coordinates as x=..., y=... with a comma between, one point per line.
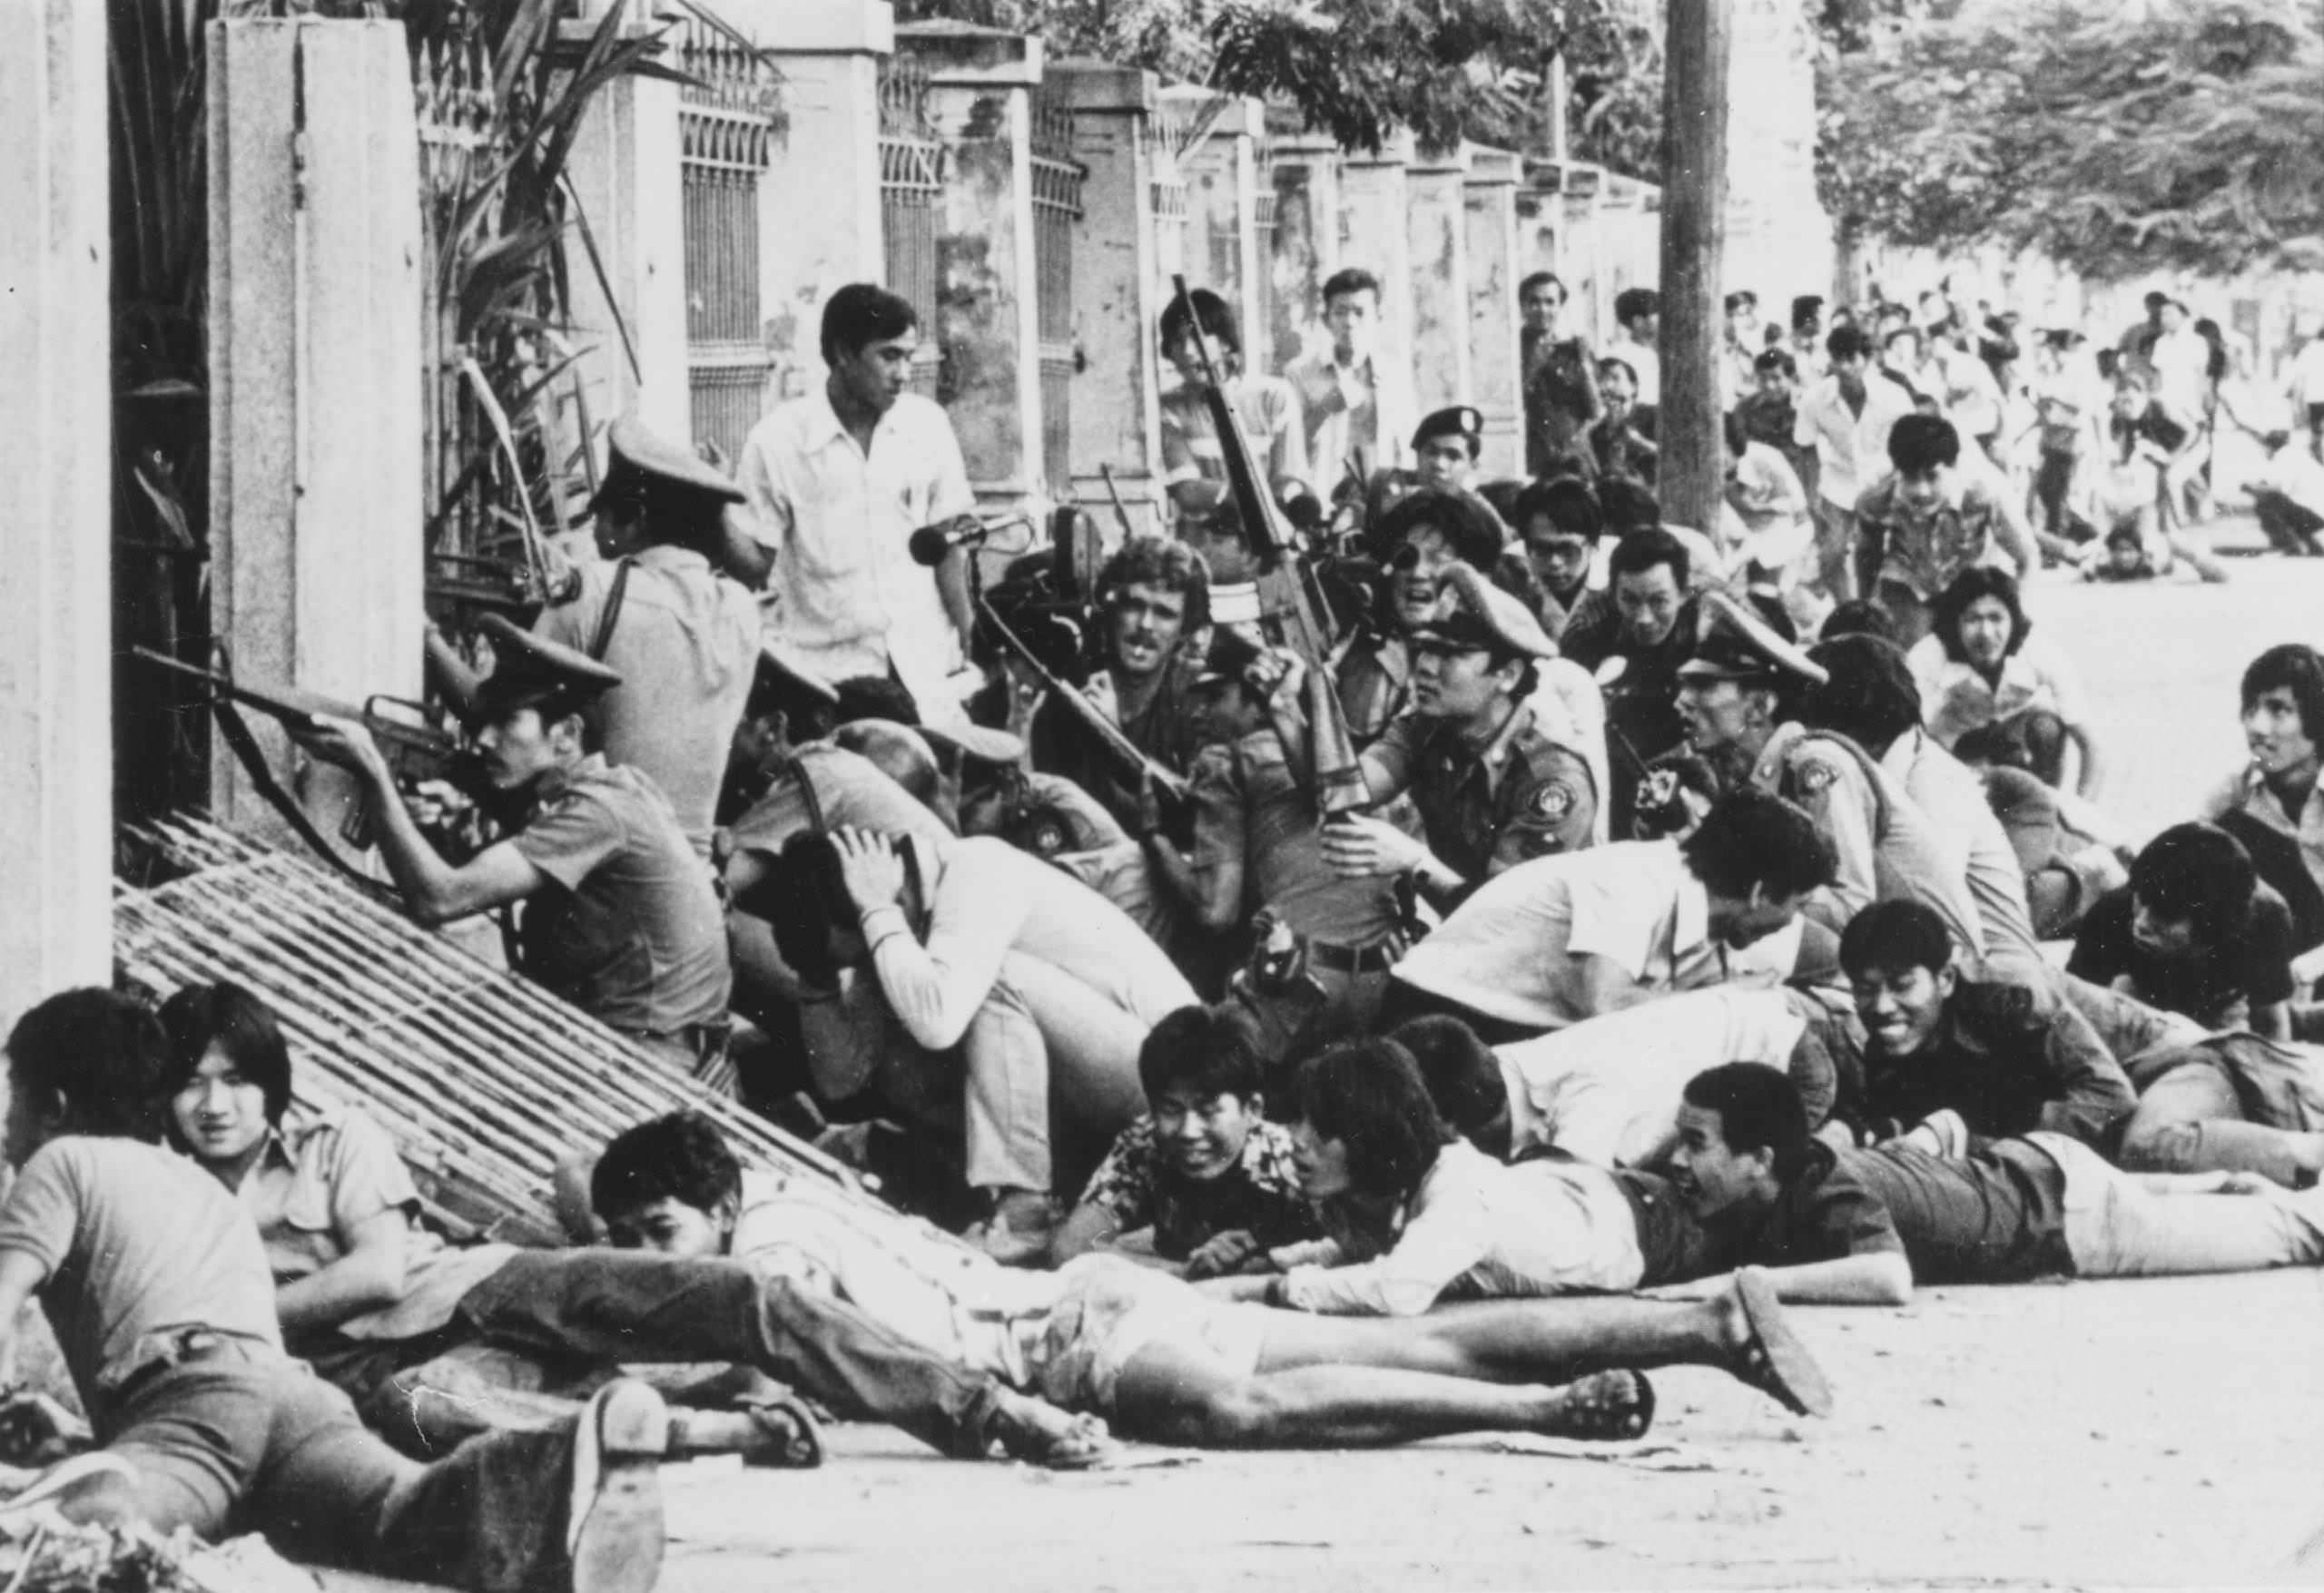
x=625, y=172
x=55, y=500
x=315, y=505
x=1437, y=226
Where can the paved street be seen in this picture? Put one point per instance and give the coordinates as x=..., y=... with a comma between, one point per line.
x=2111, y=1433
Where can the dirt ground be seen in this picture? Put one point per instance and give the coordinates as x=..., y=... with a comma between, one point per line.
x=2128, y=1433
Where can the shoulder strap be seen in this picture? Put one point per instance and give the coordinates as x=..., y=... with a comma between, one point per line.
x=610, y=615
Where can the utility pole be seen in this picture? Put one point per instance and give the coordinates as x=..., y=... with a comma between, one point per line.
x=1693, y=473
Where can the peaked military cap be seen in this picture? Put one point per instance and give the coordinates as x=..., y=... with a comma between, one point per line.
x=972, y=739
x=636, y=456
x=1736, y=644
x=778, y=659
x=1461, y=420
x=1482, y=616
x=533, y=671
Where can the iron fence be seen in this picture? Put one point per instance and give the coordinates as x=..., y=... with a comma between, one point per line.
x=726, y=131
x=1057, y=178
x=911, y=185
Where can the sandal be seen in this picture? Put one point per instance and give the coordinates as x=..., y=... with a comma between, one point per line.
x=1772, y=1359
x=1082, y=1445
x=1607, y=1407
x=794, y=1441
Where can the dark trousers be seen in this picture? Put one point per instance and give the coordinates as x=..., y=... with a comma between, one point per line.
x=228, y=1445
x=2288, y=527
x=628, y=1305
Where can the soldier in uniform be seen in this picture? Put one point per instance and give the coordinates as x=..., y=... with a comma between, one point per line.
x=1733, y=697
x=620, y=916
x=683, y=634
x=1492, y=790
x=1420, y=535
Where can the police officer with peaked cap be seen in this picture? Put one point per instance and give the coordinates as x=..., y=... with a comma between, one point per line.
x=684, y=636
x=1734, y=696
x=1492, y=790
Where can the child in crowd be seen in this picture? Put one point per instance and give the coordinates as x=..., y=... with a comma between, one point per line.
x=1203, y=1168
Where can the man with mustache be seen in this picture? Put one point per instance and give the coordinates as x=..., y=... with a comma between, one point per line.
x=622, y=918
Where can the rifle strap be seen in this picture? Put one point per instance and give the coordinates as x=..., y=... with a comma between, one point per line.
x=610, y=615
x=248, y=754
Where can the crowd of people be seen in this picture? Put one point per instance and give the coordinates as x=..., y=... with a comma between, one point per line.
x=1710, y=919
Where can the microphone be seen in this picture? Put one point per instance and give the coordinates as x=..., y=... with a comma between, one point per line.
x=930, y=544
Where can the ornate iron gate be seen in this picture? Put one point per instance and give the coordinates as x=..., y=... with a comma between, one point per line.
x=726, y=129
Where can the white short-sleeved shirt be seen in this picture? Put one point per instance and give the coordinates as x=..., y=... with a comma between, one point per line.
x=1851, y=449
x=839, y=521
x=1562, y=938
x=1956, y=697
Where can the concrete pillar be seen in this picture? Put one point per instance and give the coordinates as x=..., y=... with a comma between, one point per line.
x=826, y=167
x=1585, y=258
x=1495, y=360
x=1374, y=234
x=1222, y=177
x=56, y=501
x=624, y=169
x=1437, y=221
x=980, y=84
x=1306, y=172
x=1117, y=292
x=315, y=350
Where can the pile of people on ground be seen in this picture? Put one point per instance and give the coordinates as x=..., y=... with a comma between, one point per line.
x=1709, y=921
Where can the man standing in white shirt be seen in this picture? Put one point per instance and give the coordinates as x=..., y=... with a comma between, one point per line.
x=1357, y=409
x=837, y=482
x=1847, y=417
x=1638, y=312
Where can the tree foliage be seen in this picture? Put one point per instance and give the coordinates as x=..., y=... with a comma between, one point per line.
x=2120, y=139
x=1362, y=70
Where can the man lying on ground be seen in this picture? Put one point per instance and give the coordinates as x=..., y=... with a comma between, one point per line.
x=158, y=1291
x=2196, y=933
x=2010, y=1210
x=1163, y=1361
x=433, y=1342
x=1951, y=1060
x=1203, y=1169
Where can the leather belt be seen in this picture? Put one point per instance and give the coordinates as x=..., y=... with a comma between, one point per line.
x=1377, y=957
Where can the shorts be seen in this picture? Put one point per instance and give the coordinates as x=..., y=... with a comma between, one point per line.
x=1108, y=1309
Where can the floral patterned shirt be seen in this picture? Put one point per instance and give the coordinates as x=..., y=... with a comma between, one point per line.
x=1137, y=1184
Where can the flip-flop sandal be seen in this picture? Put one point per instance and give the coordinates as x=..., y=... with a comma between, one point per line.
x=1592, y=1413
x=1774, y=1360
x=794, y=1440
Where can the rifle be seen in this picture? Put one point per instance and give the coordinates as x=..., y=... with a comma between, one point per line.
x=1125, y=753
x=1121, y=510
x=1293, y=610
x=416, y=751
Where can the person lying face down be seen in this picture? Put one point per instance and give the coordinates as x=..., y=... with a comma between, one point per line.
x=1173, y=1362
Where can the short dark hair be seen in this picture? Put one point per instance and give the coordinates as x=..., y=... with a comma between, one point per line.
x=1999, y=744
x=1641, y=551
x=106, y=1056
x=237, y=1022
x=683, y=1156
x=1207, y=1050
x=1474, y=535
x=1368, y=1094
x=1213, y=314
x=1160, y=561
x=1566, y=501
x=1463, y=1075
x=863, y=313
x=804, y=899
x=2198, y=872
x=1868, y=695
x=1758, y=1109
x=1776, y=360
x=2294, y=667
x=1978, y=581
x=1858, y=616
x=1753, y=839
x=1634, y=302
x=1609, y=363
x=1739, y=299
x=1848, y=341
x=1923, y=442
x=1889, y=937
x=1538, y=279
x=1805, y=310
x=1630, y=505
x=1350, y=280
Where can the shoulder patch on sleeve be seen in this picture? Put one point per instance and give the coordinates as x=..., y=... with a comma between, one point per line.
x=1813, y=773
x=1555, y=800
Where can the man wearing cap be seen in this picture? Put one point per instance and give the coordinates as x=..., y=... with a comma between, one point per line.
x=1929, y=521
x=1492, y=790
x=621, y=917
x=837, y=482
x=1322, y=943
x=1420, y=536
x=683, y=637
x=1734, y=698
x=1446, y=447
